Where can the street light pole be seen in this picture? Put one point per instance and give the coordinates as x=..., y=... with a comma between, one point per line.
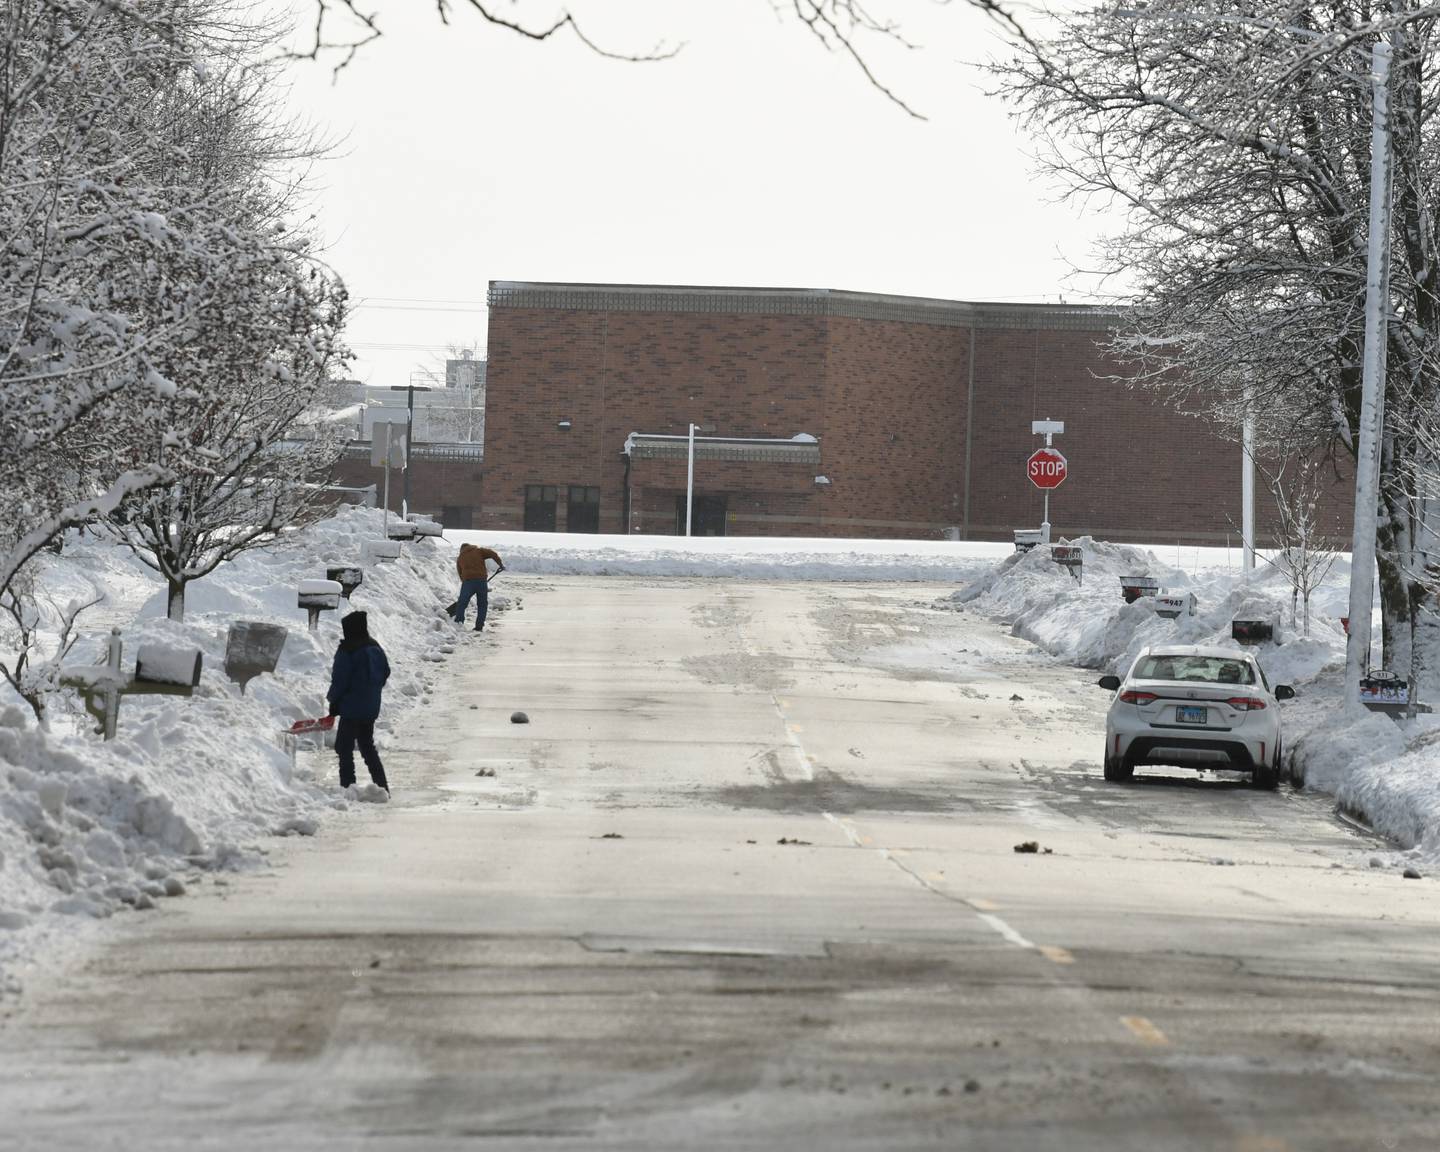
x=690, y=477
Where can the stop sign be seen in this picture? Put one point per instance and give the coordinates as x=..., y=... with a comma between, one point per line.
x=1046, y=468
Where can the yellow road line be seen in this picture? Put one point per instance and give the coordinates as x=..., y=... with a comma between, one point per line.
x=1145, y=1031
x=980, y=904
x=1056, y=955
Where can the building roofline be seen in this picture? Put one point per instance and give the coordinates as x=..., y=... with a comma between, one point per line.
x=819, y=302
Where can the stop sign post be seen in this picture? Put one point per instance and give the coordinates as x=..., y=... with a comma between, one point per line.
x=1047, y=467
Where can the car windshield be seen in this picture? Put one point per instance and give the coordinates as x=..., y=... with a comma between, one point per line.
x=1206, y=669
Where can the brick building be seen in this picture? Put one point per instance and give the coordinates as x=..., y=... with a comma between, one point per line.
x=826, y=413
x=445, y=480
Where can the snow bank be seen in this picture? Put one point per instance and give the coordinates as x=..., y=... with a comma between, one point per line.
x=191, y=785
x=1385, y=772
x=1088, y=623
x=743, y=558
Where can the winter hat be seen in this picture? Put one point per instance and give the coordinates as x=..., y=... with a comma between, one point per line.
x=356, y=626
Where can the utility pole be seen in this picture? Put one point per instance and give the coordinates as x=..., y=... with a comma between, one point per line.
x=409, y=390
x=1372, y=386
x=1247, y=493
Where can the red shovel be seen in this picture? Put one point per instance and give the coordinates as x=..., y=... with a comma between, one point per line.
x=319, y=724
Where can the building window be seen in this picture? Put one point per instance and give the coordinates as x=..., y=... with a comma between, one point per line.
x=582, y=513
x=456, y=516
x=540, y=507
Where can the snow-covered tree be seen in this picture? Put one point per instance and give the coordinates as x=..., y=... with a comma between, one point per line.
x=1238, y=145
x=147, y=269
x=256, y=361
x=25, y=626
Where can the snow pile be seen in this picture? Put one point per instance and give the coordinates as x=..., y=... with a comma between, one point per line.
x=1088, y=623
x=193, y=784
x=1386, y=773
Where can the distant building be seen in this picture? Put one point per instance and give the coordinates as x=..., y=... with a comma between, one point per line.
x=831, y=413
x=447, y=441
x=444, y=413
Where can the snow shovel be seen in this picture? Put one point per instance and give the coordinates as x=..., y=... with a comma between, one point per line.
x=319, y=724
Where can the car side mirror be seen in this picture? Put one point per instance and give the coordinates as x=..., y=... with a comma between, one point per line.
x=1284, y=692
x=1109, y=683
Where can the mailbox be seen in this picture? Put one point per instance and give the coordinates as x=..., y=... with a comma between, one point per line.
x=1028, y=538
x=317, y=596
x=1384, y=691
x=428, y=528
x=252, y=648
x=1172, y=607
x=400, y=530
x=1134, y=587
x=166, y=671
x=348, y=578
x=380, y=550
x=1252, y=631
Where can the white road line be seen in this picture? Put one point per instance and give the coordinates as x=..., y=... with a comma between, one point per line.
x=990, y=920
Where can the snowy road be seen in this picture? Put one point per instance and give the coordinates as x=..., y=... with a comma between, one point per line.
x=747, y=879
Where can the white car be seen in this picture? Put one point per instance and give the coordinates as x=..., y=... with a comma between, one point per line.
x=1195, y=706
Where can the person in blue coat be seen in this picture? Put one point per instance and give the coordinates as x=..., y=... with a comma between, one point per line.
x=356, y=680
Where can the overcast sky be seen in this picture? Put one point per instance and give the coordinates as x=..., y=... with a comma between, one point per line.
x=752, y=158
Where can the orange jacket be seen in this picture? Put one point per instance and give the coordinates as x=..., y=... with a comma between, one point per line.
x=471, y=562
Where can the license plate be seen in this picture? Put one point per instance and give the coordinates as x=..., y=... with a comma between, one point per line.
x=1185, y=714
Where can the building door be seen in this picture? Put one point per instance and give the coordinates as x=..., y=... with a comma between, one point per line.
x=456, y=516
x=540, y=507
x=707, y=517
x=582, y=509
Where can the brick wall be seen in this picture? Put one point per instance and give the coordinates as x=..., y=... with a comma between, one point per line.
x=923, y=420
x=435, y=484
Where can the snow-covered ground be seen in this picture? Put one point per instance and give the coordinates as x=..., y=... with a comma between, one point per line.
x=192, y=788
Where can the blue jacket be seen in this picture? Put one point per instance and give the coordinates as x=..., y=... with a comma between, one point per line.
x=356, y=679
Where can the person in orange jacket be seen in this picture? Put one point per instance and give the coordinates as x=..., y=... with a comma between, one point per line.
x=475, y=581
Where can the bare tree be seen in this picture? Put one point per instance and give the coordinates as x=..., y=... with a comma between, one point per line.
x=845, y=27
x=1307, y=546
x=33, y=675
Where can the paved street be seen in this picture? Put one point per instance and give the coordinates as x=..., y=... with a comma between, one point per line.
x=747, y=880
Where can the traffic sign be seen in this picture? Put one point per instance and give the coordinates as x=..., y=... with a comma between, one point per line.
x=1046, y=468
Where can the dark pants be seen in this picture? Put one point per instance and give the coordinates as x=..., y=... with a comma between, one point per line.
x=481, y=591
x=347, y=734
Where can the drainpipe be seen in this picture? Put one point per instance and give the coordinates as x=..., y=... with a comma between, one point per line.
x=625, y=496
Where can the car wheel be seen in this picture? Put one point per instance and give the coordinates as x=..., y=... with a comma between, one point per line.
x=1267, y=776
x=1118, y=769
